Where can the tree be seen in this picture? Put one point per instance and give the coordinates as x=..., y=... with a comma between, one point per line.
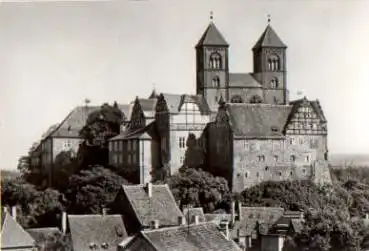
x=91, y=190
x=100, y=126
x=56, y=241
x=199, y=188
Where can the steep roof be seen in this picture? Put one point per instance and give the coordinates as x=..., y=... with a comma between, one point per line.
x=245, y=80
x=147, y=105
x=160, y=206
x=13, y=235
x=203, y=236
x=147, y=132
x=258, y=120
x=189, y=213
x=315, y=104
x=212, y=36
x=175, y=102
x=87, y=230
x=253, y=218
x=269, y=38
x=217, y=218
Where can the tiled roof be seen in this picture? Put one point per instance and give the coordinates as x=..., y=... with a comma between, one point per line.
x=142, y=133
x=76, y=119
x=258, y=120
x=269, y=38
x=244, y=80
x=161, y=206
x=40, y=234
x=200, y=237
x=256, y=218
x=212, y=36
x=147, y=105
x=175, y=102
x=13, y=235
x=315, y=104
x=87, y=230
x=189, y=213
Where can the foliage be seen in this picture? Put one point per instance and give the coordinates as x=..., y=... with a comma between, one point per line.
x=55, y=242
x=359, y=174
x=198, y=188
x=35, y=208
x=90, y=190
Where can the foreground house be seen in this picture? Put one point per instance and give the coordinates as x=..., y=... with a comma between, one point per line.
x=96, y=232
x=13, y=236
x=194, y=237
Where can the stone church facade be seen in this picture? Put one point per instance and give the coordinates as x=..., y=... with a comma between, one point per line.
x=244, y=124
x=258, y=134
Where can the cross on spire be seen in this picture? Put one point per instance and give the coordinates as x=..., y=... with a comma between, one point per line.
x=269, y=18
x=211, y=15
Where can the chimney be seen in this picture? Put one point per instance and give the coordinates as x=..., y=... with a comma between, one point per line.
x=224, y=227
x=196, y=219
x=149, y=189
x=155, y=224
x=5, y=209
x=181, y=220
x=64, y=222
x=239, y=211
x=14, y=212
x=233, y=212
x=104, y=211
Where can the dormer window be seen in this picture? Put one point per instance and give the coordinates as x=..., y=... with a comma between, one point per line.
x=105, y=245
x=215, y=61
x=93, y=246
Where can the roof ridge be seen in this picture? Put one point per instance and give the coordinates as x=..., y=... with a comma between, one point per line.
x=177, y=227
x=62, y=122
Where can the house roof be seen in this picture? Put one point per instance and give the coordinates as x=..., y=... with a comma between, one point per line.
x=160, y=206
x=189, y=213
x=258, y=120
x=175, y=102
x=315, y=104
x=244, y=80
x=40, y=234
x=76, y=120
x=212, y=36
x=256, y=218
x=13, y=235
x=203, y=236
x=142, y=133
x=269, y=38
x=217, y=218
x=147, y=106
x=87, y=230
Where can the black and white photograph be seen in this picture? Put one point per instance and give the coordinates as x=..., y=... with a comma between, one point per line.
x=184, y=125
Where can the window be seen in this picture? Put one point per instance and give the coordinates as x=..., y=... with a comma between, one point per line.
x=134, y=145
x=292, y=158
x=110, y=146
x=261, y=158
x=266, y=168
x=115, y=158
x=215, y=61
x=303, y=170
x=67, y=144
x=216, y=82
x=307, y=158
x=273, y=63
x=181, y=159
x=182, y=143
x=276, y=101
x=256, y=100
x=280, y=173
x=292, y=141
x=257, y=174
x=274, y=83
x=236, y=99
x=120, y=145
x=276, y=158
x=301, y=141
x=246, y=145
x=129, y=145
x=216, y=98
x=246, y=174
x=129, y=159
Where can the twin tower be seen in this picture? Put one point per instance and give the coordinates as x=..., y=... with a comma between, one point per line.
x=266, y=84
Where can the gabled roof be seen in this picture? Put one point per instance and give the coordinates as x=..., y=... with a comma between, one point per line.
x=217, y=218
x=256, y=218
x=269, y=38
x=100, y=230
x=160, y=206
x=126, y=109
x=244, y=80
x=315, y=104
x=212, y=36
x=258, y=120
x=189, y=213
x=203, y=236
x=175, y=102
x=147, y=106
x=13, y=235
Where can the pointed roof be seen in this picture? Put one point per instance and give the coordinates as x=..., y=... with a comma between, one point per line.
x=269, y=38
x=212, y=36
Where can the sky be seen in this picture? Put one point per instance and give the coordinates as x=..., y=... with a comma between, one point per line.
x=53, y=55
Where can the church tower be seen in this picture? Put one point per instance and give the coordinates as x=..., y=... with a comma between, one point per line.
x=270, y=66
x=212, y=71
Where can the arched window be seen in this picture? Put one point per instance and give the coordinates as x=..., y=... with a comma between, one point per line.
x=215, y=61
x=273, y=63
x=274, y=83
x=256, y=100
x=236, y=99
x=216, y=82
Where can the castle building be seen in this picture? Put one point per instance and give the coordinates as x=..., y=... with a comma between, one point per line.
x=258, y=134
